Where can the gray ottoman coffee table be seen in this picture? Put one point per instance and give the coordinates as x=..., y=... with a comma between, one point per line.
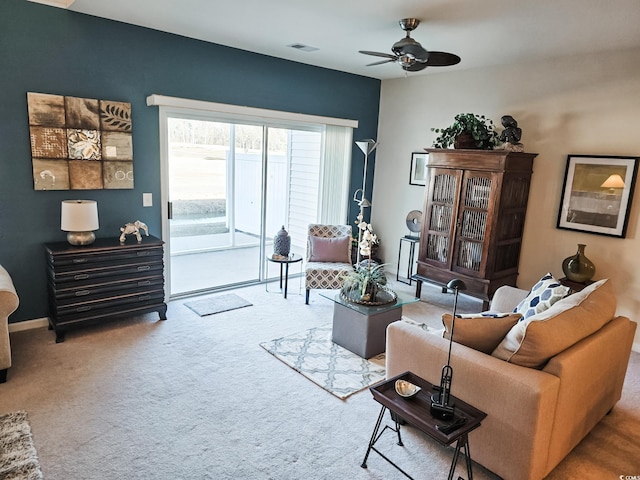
x=362, y=329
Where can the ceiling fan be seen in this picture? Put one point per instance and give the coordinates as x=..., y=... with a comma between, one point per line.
x=410, y=54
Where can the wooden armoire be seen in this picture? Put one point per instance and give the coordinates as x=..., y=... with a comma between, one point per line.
x=474, y=212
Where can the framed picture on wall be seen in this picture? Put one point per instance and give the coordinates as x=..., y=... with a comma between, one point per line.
x=597, y=194
x=80, y=143
x=418, y=174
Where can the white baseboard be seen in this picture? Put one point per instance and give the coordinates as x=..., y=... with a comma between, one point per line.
x=29, y=324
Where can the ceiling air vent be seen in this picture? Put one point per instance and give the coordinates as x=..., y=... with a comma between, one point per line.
x=303, y=47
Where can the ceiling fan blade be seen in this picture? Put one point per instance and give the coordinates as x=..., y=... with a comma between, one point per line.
x=442, y=59
x=378, y=54
x=389, y=60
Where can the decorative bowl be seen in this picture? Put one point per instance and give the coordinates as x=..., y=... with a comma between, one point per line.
x=384, y=297
x=406, y=389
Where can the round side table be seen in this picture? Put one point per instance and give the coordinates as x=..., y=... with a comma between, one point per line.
x=285, y=262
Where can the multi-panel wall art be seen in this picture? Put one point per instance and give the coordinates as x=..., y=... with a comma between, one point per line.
x=80, y=143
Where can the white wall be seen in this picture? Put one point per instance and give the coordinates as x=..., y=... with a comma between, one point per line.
x=578, y=105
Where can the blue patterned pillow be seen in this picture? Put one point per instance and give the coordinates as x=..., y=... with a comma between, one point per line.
x=545, y=293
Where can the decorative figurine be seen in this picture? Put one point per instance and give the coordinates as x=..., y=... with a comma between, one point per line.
x=511, y=134
x=133, y=228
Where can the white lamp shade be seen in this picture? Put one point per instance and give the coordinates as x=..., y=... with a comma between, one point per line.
x=367, y=146
x=614, y=181
x=79, y=216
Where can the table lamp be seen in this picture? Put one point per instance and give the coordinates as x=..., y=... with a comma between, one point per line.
x=441, y=404
x=79, y=218
x=614, y=181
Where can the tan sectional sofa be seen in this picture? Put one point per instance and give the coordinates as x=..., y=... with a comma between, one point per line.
x=8, y=304
x=535, y=416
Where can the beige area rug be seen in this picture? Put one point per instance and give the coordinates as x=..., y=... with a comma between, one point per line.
x=18, y=457
x=336, y=369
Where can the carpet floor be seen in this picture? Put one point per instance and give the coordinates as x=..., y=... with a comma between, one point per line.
x=191, y=398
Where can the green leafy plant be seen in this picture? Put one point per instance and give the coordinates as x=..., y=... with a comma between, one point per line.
x=364, y=282
x=477, y=127
x=367, y=277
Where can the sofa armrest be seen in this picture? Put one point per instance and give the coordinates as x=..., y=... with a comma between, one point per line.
x=519, y=402
x=506, y=298
x=8, y=304
x=8, y=297
x=592, y=374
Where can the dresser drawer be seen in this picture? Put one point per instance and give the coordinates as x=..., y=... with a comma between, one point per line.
x=134, y=270
x=71, y=261
x=70, y=310
x=92, y=288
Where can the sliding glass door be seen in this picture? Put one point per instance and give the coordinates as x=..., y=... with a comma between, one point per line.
x=233, y=176
x=231, y=187
x=292, y=184
x=215, y=203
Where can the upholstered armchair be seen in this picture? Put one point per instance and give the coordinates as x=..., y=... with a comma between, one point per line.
x=8, y=305
x=328, y=257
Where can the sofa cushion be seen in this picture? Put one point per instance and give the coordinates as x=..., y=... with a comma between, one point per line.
x=547, y=291
x=532, y=342
x=330, y=249
x=480, y=332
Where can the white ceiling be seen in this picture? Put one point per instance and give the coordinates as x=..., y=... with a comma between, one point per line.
x=483, y=33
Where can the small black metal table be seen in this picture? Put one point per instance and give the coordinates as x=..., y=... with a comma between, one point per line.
x=284, y=265
x=416, y=411
x=413, y=241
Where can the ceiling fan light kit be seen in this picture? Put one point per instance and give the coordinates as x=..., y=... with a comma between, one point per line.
x=412, y=56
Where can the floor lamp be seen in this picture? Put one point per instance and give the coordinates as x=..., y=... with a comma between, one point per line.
x=367, y=146
x=441, y=404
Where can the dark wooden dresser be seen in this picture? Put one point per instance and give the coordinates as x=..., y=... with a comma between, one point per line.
x=97, y=282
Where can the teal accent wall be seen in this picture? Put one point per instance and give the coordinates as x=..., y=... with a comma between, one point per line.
x=51, y=50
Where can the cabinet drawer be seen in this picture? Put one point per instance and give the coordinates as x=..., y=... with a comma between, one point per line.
x=82, y=308
x=106, y=287
x=126, y=255
x=102, y=271
x=106, y=261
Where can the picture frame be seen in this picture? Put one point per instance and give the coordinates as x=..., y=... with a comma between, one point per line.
x=597, y=194
x=418, y=173
x=80, y=143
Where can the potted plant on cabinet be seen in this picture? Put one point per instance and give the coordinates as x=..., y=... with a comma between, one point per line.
x=468, y=130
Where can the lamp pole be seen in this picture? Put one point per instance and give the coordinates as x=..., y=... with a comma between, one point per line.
x=441, y=405
x=367, y=146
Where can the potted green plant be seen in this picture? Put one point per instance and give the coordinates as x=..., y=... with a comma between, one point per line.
x=468, y=130
x=366, y=284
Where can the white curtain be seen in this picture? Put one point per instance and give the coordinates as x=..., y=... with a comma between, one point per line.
x=334, y=177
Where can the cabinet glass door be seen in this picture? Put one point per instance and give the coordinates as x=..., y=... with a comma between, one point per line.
x=469, y=253
x=441, y=206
